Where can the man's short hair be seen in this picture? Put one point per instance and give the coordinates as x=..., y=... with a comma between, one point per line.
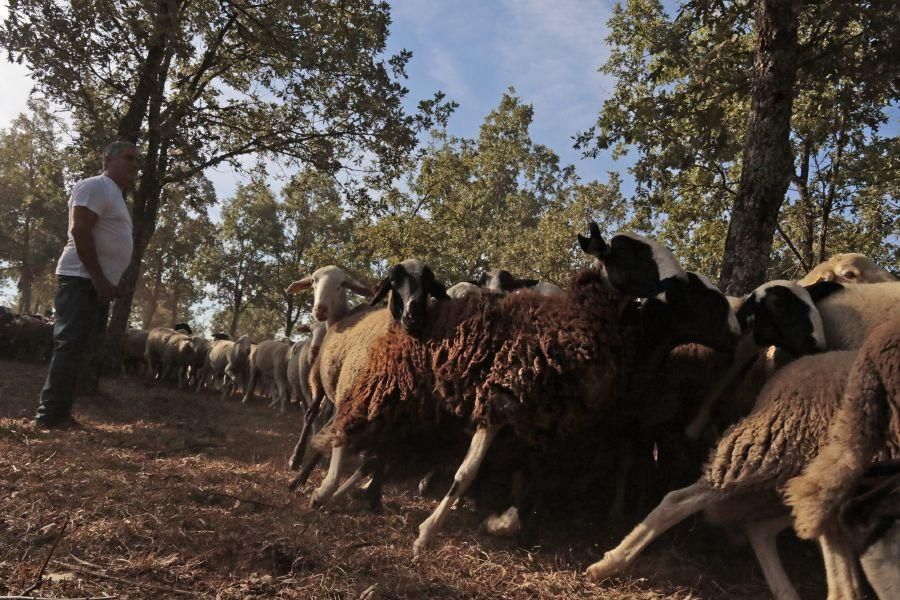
x=116, y=148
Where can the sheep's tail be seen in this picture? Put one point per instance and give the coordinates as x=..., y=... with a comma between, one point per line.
x=860, y=430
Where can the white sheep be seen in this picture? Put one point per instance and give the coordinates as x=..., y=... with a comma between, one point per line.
x=850, y=314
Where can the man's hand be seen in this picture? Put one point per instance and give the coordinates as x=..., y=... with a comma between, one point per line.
x=106, y=291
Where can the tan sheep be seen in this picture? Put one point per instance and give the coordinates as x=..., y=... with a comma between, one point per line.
x=847, y=268
x=168, y=351
x=867, y=423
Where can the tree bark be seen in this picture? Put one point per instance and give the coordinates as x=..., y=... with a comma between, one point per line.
x=149, y=94
x=767, y=158
x=153, y=302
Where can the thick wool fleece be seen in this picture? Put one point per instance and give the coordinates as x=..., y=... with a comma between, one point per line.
x=865, y=428
x=786, y=428
x=535, y=362
x=345, y=351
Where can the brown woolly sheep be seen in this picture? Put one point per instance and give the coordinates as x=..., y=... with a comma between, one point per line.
x=539, y=364
x=753, y=460
x=847, y=268
x=868, y=421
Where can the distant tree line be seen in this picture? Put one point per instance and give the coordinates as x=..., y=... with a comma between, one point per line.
x=758, y=129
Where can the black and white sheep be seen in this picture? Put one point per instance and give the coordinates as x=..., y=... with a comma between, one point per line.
x=409, y=287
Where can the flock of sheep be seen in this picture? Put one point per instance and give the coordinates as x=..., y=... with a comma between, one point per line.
x=808, y=372
x=793, y=391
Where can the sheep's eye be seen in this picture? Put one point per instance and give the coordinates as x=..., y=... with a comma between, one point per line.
x=850, y=275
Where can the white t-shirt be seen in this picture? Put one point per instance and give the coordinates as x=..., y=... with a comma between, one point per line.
x=112, y=232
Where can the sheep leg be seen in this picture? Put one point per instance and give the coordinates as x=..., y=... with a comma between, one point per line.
x=764, y=537
x=673, y=509
x=623, y=471
x=840, y=564
x=305, y=472
x=328, y=486
x=311, y=413
x=466, y=473
x=355, y=478
x=251, y=387
x=745, y=354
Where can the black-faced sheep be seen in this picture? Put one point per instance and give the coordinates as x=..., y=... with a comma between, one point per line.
x=754, y=459
x=780, y=314
x=847, y=268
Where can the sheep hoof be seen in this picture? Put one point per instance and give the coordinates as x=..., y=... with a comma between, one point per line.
x=504, y=525
x=605, y=568
x=420, y=546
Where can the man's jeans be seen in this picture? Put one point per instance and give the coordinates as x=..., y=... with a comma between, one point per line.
x=80, y=322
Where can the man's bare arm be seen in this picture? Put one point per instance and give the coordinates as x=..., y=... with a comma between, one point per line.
x=83, y=221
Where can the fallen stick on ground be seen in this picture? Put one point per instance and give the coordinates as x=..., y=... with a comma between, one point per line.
x=40, y=576
x=93, y=573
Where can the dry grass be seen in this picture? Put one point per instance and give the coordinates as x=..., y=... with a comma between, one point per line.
x=170, y=494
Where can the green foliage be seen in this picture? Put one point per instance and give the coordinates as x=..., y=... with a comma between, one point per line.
x=498, y=201
x=169, y=285
x=681, y=102
x=33, y=202
x=235, y=264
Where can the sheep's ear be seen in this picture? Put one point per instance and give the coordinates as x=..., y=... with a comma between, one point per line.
x=300, y=285
x=822, y=289
x=382, y=291
x=593, y=244
x=437, y=289
x=356, y=287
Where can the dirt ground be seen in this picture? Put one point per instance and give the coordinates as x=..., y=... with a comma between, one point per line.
x=168, y=494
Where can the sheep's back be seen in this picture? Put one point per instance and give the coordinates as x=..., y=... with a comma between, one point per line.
x=787, y=426
x=851, y=314
x=345, y=350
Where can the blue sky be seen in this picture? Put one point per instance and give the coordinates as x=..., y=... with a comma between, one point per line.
x=549, y=51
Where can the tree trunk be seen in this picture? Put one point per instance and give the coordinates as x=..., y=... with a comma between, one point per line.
x=149, y=93
x=153, y=302
x=289, y=318
x=807, y=210
x=767, y=159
